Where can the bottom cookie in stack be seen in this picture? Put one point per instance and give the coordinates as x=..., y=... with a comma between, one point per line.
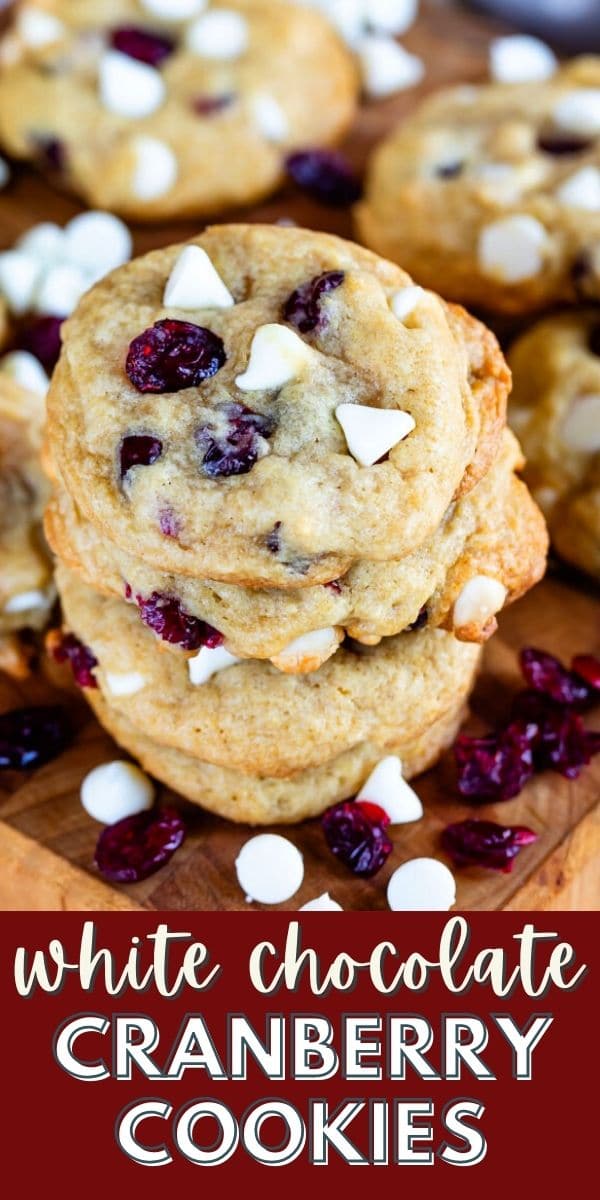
x=253, y=744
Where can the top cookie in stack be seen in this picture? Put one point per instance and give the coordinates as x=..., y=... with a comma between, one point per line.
x=267, y=441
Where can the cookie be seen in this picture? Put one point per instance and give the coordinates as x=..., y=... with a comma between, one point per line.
x=263, y=800
x=267, y=405
x=154, y=115
x=26, y=589
x=251, y=717
x=495, y=532
x=555, y=410
x=491, y=194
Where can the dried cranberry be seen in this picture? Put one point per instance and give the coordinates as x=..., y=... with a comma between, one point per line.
x=303, y=307
x=141, y=44
x=497, y=766
x=138, y=846
x=587, y=667
x=69, y=649
x=230, y=445
x=334, y=586
x=360, y=842
x=420, y=620
x=138, y=450
x=273, y=538
x=562, y=143
x=209, y=106
x=172, y=355
x=41, y=337
x=325, y=175
x=32, y=736
x=564, y=745
x=544, y=673
x=594, y=339
x=485, y=843
x=169, y=523
x=166, y=617
x=449, y=170
x=51, y=152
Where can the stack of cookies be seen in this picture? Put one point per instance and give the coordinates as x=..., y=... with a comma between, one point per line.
x=286, y=513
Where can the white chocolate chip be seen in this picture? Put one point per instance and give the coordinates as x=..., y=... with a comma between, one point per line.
x=60, y=290
x=174, y=10
x=322, y=903
x=194, y=283
x=277, y=355
x=156, y=168
x=581, y=427
x=347, y=16
x=387, y=67
x=4, y=173
x=44, y=242
x=116, y=790
x=478, y=600
x=421, y=885
x=269, y=868
x=208, y=662
x=512, y=249
x=372, y=432
x=129, y=88
x=19, y=274
x=270, y=118
x=38, y=28
x=126, y=683
x=308, y=652
x=387, y=788
x=391, y=16
x=581, y=190
x=521, y=59
x=404, y=301
x=26, y=370
x=222, y=34
x=579, y=112
x=29, y=602
x=97, y=242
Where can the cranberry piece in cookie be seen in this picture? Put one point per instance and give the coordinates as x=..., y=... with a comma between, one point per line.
x=303, y=307
x=41, y=337
x=141, y=44
x=66, y=647
x=138, y=450
x=326, y=176
x=168, y=619
x=173, y=355
x=209, y=106
x=234, y=441
x=559, y=144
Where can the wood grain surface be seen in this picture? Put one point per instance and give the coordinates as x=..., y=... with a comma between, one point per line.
x=46, y=839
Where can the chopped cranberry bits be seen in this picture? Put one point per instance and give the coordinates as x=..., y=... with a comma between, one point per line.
x=303, y=307
x=356, y=833
x=173, y=355
x=65, y=647
x=485, y=844
x=146, y=47
x=138, y=450
x=325, y=175
x=232, y=443
x=32, y=736
x=137, y=846
x=166, y=617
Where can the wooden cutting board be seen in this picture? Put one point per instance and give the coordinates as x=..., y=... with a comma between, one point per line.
x=46, y=839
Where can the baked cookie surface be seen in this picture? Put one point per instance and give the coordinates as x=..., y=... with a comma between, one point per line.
x=153, y=116
x=491, y=194
x=268, y=405
x=255, y=719
x=495, y=531
x=555, y=411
